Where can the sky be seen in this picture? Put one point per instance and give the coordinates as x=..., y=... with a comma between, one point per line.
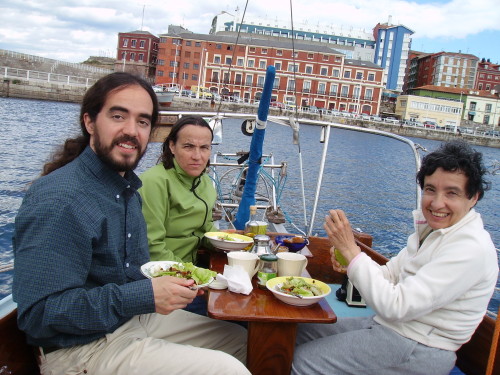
x=74, y=30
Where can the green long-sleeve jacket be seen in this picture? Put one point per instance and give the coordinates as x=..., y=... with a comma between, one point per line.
x=177, y=215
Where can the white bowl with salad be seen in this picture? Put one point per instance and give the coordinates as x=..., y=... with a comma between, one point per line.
x=229, y=241
x=201, y=276
x=298, y=291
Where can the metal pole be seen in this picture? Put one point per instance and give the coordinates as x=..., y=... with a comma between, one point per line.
x=320, y=180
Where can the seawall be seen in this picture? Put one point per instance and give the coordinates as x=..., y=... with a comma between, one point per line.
x=19, y=88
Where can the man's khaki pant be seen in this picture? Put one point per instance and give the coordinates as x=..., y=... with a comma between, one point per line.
x=178, y=343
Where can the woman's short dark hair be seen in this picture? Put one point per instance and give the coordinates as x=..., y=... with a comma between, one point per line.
x=167, y=158
x=457, y=156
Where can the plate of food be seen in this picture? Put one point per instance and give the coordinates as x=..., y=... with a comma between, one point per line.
x=229, y=241
x=201, y=276
x=298, y=291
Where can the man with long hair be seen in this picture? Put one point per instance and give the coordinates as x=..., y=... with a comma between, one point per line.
x=79, y=241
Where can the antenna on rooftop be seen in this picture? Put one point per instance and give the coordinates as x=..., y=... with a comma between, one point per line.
x=142, y=21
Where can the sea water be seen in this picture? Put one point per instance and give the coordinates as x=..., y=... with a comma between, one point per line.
x=372, y=178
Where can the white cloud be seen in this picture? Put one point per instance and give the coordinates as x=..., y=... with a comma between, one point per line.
x=77, y=28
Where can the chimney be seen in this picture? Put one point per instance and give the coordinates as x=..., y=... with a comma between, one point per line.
x=389, y=22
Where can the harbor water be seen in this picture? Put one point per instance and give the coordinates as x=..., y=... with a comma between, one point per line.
x=372, y=178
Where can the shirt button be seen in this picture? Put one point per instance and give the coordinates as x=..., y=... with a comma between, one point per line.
x=128, y=186
x=129, y=235
x=127, y=265
x=117, y=196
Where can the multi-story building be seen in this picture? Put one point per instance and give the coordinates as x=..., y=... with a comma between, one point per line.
x=305, y=74
x=387, y=46
x=137, y=53
x=391, y=53
x=478, y=106
x=488, y=75
x=447, y=69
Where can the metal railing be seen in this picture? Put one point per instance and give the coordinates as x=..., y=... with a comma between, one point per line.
x=15, y=73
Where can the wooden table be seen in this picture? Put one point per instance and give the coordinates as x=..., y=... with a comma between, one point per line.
x=272, y=324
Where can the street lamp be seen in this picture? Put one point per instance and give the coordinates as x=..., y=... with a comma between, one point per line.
x=175, y=62
x=199, y=75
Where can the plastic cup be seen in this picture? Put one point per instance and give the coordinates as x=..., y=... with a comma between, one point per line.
x=340, y=258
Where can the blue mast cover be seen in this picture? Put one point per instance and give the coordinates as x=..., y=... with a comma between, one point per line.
x=248, y=197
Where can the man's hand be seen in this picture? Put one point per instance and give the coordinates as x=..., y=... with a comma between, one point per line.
x=173, y=293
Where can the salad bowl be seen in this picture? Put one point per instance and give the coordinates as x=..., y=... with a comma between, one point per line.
x=296, y=298
x=229, y=241
x=202, y=276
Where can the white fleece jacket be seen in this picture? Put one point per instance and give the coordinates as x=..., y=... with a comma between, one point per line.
x=435, y=293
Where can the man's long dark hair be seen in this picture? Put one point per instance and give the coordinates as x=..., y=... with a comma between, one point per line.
x=92, y=103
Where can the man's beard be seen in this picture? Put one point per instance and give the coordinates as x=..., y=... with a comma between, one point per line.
x=104, y=153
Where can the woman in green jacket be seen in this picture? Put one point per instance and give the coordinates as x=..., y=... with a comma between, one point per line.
x=177, y=195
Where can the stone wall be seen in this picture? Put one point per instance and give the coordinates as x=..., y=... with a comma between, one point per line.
x=16, y=88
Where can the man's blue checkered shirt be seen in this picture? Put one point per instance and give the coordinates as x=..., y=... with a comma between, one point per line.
x=79, y=242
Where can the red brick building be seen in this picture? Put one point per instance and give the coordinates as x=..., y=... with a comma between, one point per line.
x=488, y=75
x=314, y=73
x=137, y=53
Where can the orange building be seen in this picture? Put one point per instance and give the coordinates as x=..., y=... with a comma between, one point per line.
x=488, y=75
x=314, y=73
x=137, y=53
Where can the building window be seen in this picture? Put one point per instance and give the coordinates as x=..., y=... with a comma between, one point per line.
x=248, y=80
x=159, y=73
x=186, y=65
x=237, y=79
x=188, y=43
x=185, y=76
x=239, y=62
x=215, y=76
x=487, y=108
x=196, y=66
x=229, y=60
x=333, y=90
x=486, y=119
x=134, y=43
x=310, y=56
x=472, y=106
x=197, y=44
x=347, y=74
x=368, y=94
x=187, y=55
x=488, y=86
x=344, y=92
x=124, y=55
x=216, y=59
x=264, y=51
x=194, y=77
x=174, y=64
x=141, y=44
x=132, y=56
x=125, y=42
x=322, y=88
x=356, y=92
x=279, y=52
x=141, y=57
x=371, y=76
x=480, y=86
x=338, y=59
x=251, y=49
x=293, y=67
x=172, y=74
x=218, y=46
x=291, y=85
x=336, y=73
x=325, y=57
x=161, y=62
x=260, y=81
x=359, y=75
x=250, y=63
x=262, y=64
x=306, y=87
x=323, y=71
x=277, y=66
x=309, y=69
x=276, y=83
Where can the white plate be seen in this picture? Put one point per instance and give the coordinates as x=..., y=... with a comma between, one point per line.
x=148, y=268
x=216, y=284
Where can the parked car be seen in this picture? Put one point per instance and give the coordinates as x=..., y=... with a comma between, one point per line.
x=365, y=117
x=492, y=133
x=188, y=93
x=430, y=125
x=376, y=118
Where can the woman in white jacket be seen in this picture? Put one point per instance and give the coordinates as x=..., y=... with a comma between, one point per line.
x=429, y=298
